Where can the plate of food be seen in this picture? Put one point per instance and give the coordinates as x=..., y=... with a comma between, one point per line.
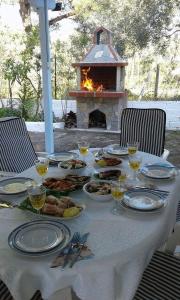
x=106, y=161
x=109, y=174
x=65, y=184
x=158, y=171
x=62, y=156
x=98, y=190
x=62, y=208
x=72, y=166
x=18, y=185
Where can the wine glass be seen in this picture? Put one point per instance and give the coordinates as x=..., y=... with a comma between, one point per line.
x=132, y=147
x=42, y=165
x=37, y=197
x=134, y=163
x=123, y=177
x=117, y=191
x=83, y=147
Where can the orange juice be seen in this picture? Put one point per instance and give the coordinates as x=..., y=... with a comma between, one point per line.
x=84, y=150
x=42, y=169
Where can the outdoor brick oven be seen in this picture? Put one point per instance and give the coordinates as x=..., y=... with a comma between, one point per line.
x=100, y=93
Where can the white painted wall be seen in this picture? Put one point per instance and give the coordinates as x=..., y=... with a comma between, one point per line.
x=172, y=109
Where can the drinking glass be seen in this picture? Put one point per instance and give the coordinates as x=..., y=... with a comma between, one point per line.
x=37, y=196
x=134, y=163
x=42, y=165
x=83, y=147
x=117, y=191
x=123, y=177
x=132, y=147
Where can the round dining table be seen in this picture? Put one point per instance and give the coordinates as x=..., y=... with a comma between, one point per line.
x=122, y=244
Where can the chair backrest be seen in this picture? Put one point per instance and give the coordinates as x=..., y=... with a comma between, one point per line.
x=16, y=150
x=146, y=126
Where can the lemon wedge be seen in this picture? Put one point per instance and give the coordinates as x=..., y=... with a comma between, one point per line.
x=101, y=163
x=71, y=212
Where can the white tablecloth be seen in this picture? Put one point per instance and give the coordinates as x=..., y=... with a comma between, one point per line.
x=122, y=246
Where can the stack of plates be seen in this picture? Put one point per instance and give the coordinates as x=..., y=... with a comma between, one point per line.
x=40, y=237
x=158, y=171
x=143, y=201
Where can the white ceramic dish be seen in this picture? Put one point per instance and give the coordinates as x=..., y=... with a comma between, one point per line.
x=13, y=186
x=143, y=200
x=158, y=171
x=77, y=171
x=62, y=156
x=117, y=150
x=94, y=196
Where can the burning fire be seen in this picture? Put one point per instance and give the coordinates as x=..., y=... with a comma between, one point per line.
x=88, y=83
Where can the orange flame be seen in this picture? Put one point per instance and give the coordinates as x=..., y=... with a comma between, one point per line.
x=88, y=83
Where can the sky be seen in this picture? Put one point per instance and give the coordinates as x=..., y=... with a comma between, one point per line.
x=9, y=15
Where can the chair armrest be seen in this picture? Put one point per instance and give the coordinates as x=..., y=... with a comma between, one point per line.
x=165, y=154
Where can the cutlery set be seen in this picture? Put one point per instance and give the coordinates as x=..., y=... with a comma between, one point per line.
x=73, y=251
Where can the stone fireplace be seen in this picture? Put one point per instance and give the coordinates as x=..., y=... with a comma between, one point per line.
x=100, y=93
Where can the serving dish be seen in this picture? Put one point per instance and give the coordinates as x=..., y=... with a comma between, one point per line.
x=62, y=208
x=64, y=185
x=98, y=190
x=106, y=161
x=107, y=174
x=72, y=166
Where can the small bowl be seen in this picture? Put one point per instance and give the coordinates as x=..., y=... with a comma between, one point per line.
x=94, y=196
x=78, y=171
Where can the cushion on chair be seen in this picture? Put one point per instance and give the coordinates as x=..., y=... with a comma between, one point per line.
x=146, y=126
x=16, y=150
x=161, y=279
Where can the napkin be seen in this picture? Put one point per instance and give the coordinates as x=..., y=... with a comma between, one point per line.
x=75, y=251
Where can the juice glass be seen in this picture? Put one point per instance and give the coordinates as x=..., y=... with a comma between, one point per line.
x=37, y=197
x=42, y=165
x=132, y=147
x=134, y=163
x=83, y=147
x=117, y=191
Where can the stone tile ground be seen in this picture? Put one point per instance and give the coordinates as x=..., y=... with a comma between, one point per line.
x=67, y=140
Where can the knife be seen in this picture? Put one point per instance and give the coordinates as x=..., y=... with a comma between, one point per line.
x=74, y=241
x=81, y=245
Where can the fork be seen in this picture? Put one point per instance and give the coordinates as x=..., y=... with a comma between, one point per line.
x=74, y=241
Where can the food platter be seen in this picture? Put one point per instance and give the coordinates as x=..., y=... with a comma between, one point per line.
x=62, y=156
x=105, y=161
x=109, y=174
x=158, y=171
x=39, y=237
x=62, y=208
x=13, y=186
x=65, y=184
x=99, y=191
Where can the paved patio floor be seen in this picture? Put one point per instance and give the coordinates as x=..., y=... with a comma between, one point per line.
x=67, y=140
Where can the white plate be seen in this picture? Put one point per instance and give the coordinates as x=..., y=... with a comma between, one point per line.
x=143, y=200
x=158, y=171
x=13, y=186
x=117, y=150
x=62, y=156
x=137, y=211
x=49, y=236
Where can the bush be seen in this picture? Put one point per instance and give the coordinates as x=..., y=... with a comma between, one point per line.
x=8, y=112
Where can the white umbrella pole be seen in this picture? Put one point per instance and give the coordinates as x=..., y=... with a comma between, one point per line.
x=46, y=76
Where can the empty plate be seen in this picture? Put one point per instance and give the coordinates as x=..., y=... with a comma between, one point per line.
x=143, y=200
x=39, y=237
x=117, y=150
x=158, y=171
x=62, y=156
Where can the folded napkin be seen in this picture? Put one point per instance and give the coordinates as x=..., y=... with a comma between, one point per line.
x=75, y=251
